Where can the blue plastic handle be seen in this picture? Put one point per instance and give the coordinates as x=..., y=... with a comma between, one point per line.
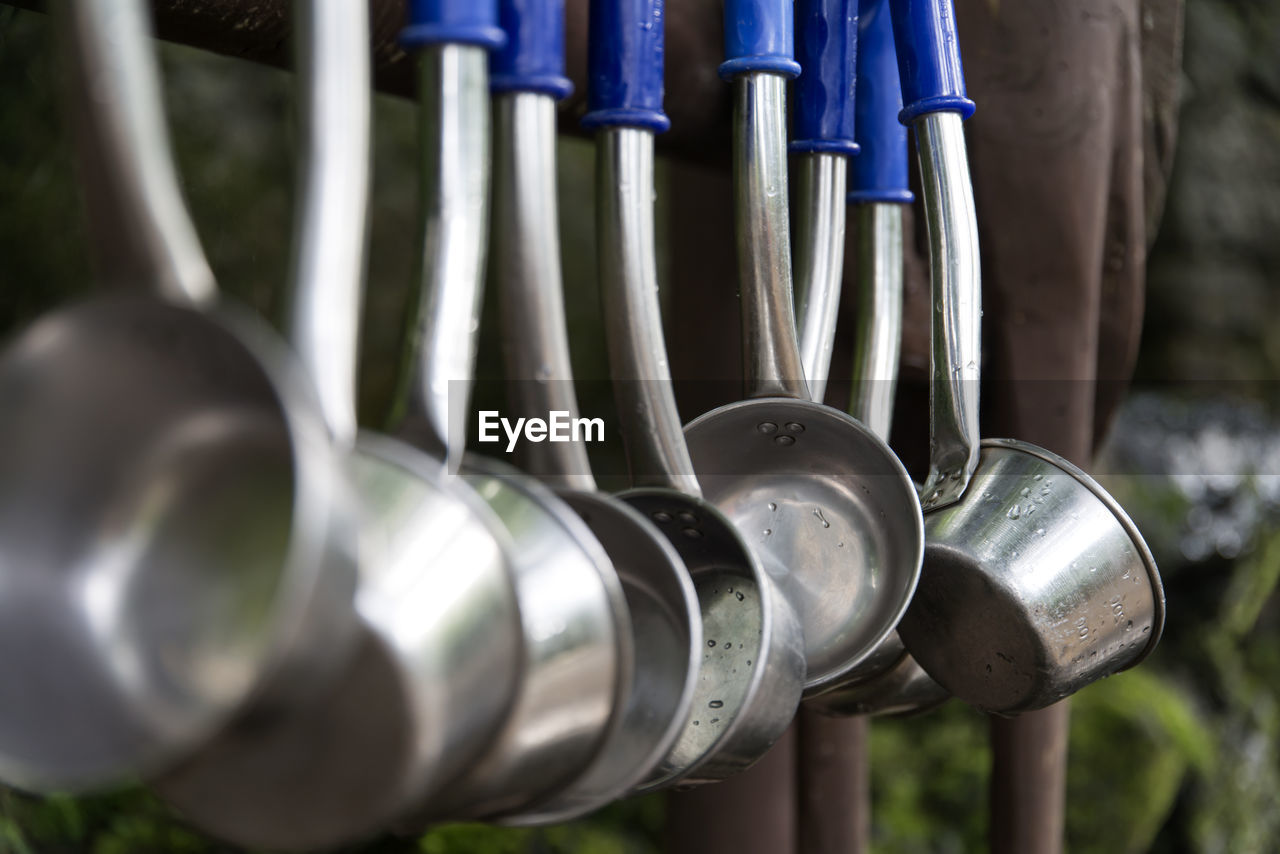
x=826, y=46
x=472, y=22
x=759, y=36
x=929, y=58
x=879, y=172
x=533, y=58
x=624, y=65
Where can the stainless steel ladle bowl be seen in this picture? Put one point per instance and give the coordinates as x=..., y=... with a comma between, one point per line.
x=176, y=537
x=820, y=498
x=1035, y=582
x=525, y=256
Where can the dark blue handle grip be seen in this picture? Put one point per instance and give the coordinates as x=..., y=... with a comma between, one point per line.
x=533, y=58
x=929, y=58
x=826, y=46
x=758, y=36
x=472, y=22
x=624, y=65
x=880, y=169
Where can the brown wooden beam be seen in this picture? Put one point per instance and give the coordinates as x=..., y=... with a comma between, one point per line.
x=697, y=100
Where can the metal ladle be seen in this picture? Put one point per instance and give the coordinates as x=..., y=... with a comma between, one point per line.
x=176, y=539
x=436, y=600
x=528, y=78
x=893, y=683
x=578, y=651
x=751, y=666
x=1035, y=581
x=826, y=505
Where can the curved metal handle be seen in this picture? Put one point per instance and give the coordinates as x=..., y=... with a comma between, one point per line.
x=878, y=334
x=819, y=260
x=759, y=57
x=646, y=403
x=454, y=103
x=956, y=295
x=823, y=124
x=117, y=86
x=526, y=267
x=879, y=189
x=527, y=77
x=771, y=355
x=329, y=255
x=625, y=98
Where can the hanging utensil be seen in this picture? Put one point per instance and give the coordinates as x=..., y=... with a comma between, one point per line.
x=826, y=505
x=175, y=538
x=527, y=79
x=577, y=633
x=879, y=192
x=823, y=130
x=751, y=666
x=436, y=598
x=1036, y=582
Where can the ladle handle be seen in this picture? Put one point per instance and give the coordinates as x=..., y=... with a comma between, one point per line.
x=138, y=214
x=878, y=190
x=624, y=101
x=526, y=78
x=758, y=36
x=823, y=128
x=454, y=37
x=333, y=206
x=935, y=104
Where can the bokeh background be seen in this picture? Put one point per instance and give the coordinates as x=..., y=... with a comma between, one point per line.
x=1180, y=755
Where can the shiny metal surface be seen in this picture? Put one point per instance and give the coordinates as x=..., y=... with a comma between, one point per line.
x=878, y=334
x=328, y=263
x=573, y=673
x=667, y=624
x=752, y=658
x=173, y=541
x=650, y=422
x=756, y=684
x=440, y=659
x=526, y=268
x=454, y=96
x=889, y=681
x=117, y=88
x=954, y=267
x=577, y=652
x=771, y=356
x=1035, y=582
x=819, y=257
x=1035, y=585
x=175, y=537
x=408, y=712
x=821, y=500
x=900, y=687
x=660, y=667
x=826, y=512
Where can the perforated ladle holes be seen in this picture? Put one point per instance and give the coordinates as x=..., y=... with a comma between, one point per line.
x=785, y=439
